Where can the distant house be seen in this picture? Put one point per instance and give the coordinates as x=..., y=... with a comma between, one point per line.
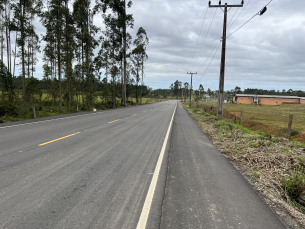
x=267, y=99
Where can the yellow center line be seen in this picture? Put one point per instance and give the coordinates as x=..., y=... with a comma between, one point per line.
x=133, y=114
x=144, y=111
x=114, y=121
x=58, y=139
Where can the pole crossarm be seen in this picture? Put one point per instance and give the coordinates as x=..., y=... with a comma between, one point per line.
x=225, y=5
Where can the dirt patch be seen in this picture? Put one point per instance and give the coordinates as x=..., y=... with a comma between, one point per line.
x=262, y=159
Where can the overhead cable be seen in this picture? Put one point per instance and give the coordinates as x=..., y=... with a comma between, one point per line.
x=208, y=65
x=205, y=38
x=198, y=37
x=258, y=13
x=239, y=14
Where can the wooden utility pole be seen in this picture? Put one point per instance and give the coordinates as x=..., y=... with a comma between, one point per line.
x=191, y=86
x=223, y=55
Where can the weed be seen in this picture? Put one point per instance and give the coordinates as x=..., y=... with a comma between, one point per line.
x=255, y=174
x=267, y=153
x=294, y=186
x=226, y=151
x=254, y=144
x=300, y=158
x=285, y=149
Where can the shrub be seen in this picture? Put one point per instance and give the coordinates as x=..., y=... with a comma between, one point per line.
x=2, y=110
x=294, y=186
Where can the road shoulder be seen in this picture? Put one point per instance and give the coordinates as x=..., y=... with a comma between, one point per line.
x=204, y=190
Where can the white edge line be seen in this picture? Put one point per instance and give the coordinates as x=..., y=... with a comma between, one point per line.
x=147, y=204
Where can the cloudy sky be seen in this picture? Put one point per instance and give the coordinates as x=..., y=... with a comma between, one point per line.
x=267, y=53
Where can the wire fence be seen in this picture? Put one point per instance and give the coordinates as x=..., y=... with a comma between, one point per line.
x=270, y=120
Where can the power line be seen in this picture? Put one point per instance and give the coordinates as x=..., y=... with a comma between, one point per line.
x=212, y=51
x=258, y=13
x=208, y=65
x=233, y=16
x=239, y=14
x=198, y=37
x=205, y=38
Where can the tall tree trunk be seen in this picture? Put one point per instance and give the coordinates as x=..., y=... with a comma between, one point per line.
x=68, y=72
x=7, y=37
x=83, y=78
x=122, y=82
x=137, y=84
x=124, y=40
x=59, y=64
x=32, y=61
x=22, y=49
x=15, y=55
x=1, y=37
x=29, y=57
x=88, y=76
x=113, y=93
x=142, y=77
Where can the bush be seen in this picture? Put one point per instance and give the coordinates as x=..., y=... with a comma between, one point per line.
x=294, y=186
x=2, y=110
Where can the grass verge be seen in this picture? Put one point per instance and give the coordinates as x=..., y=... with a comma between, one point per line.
x=22, y=112
x=273, y=166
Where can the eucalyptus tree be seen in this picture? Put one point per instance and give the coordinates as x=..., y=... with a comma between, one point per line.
x=110, y=50
x=118, y=7
x=32, y=43
x=68, y=50
x=141, y=43
x=201, y=90
x=53, y=19
x=22, y=15
x=2, y=7
x=136, y=57
x=80, y=16
x=86, y=43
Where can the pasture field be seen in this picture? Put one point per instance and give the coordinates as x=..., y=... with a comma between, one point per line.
x=272, y=120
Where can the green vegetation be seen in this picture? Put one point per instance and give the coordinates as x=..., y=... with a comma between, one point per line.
x=272, y=120
x=294, y=186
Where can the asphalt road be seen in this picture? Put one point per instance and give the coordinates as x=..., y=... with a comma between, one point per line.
x=96, y=170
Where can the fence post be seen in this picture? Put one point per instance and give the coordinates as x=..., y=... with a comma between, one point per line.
x=34, y=111
x=289, y=126
x=241, y=117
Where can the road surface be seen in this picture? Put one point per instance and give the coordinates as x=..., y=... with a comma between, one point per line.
x=145, y=166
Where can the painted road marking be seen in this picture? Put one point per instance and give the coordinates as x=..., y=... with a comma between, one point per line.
x=57, y=139
x=144, y=111
x=114, y=121
x=133, y=114
x=147, y=204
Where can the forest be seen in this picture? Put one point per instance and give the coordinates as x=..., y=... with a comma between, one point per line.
x=84, y=65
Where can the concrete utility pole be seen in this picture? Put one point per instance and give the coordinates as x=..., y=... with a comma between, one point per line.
x=223, y=55
x=191, y=87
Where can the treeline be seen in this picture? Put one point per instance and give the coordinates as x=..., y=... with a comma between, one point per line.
x=179, y=89
x=255, y=91
x=80, y=59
